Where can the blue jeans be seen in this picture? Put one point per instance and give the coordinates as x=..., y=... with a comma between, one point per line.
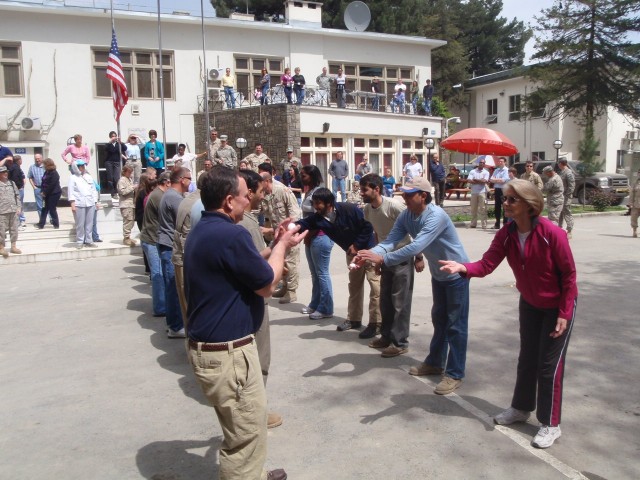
x=450, y=317
x=94, y=229
x=157, y=281
x=339, y=184
x=427, y=107
x=21, y=217
x=287, y=93
x=319, y=257
x=300, y=92
x=228, y=93
x=174, y=314
x=265, y=91
x=37, y=193
x=414, y=102
x=397, y=103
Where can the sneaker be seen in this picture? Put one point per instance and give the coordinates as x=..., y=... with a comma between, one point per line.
x=278, y=474
x=288, y=297
x=4, y=253
x=307, y=310
x=97, y=240
x=348, y=325
x=371, y=331
x=447, y=385
x=37, y=225
x=91, y=245
x=176, y=334
x=273, y=420
x=472, y=226
x=22, y=226
x=546, y=436
x=511, y=415
x=129, y=243
x=279, y=293
x=318, y=315
x=379, y=343
x=15, y=250
x=424, y=369
x=393, y=351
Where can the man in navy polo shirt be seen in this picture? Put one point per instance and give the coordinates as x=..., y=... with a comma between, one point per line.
x=226, y=281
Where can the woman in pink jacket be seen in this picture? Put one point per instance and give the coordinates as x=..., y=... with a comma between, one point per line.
x=538, y=253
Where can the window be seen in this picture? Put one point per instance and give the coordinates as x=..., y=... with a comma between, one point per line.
x=514, y=107
x=535, y=156
x=248, y=72
x=10, y=70
x=492, y=111
x=141, y=72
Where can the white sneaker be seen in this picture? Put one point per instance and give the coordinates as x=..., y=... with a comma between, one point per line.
x=176, y=334
x=511, y=415
x=318, y=315
x=307, y=310
x=546, y=436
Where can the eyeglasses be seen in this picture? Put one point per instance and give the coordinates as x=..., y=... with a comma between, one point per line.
x=186, y=178
x=510, y=199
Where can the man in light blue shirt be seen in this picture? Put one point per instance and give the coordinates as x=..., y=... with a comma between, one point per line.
x=499, y=178
x=435, y=237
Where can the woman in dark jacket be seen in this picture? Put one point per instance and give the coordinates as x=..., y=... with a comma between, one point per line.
x=51, y=191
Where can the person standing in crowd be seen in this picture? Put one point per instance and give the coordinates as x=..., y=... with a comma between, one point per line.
x=167, y=214
x=83, y=197
x=279, y=204
x=214, y=142
x=188, y=159
x=499, y=179
x=115, y=156
x=149, y=241
x=396, y=282
x=341, y=89
x=324, y=86
x=339, y=171
x=225, y=288
x=256, y=158
x=208, y=165
x=415, y=94
x=375, y=89
x=287, y=83
x=554, y=190
x=77, y=150
x=478, y=179
x=299, y=84
x=538, y=252
x=344, y=223
x=293, y=182
x=134, y=157
x=398, y=100
x=51, y=193
x=289, y=161
x=389, y=183
x=9, y=208
x=634, y=205
x=226, y=154
x=531, y=176
x=144, y=188
x=437, y=175
x=318, y=248
x=265, y=85
x=127, y=192
x=434, y=237
x=363, y=168
x=16, y=175
x=35, y=174
x=229, y=84
x=154, y=152
x=412, y=169
x=427, y=97
x=569, y=185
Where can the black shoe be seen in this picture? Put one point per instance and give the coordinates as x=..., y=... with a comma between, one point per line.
x=277, y=474
x=496, y=226
x=98, y=241
x=371, y=331
x=347, y=325
x=38, y=226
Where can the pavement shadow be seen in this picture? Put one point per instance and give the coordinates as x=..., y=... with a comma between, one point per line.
x=348, y=336
x=172, y=460
x=361, y=362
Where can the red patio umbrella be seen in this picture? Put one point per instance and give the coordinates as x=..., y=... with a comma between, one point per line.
x=480, y=141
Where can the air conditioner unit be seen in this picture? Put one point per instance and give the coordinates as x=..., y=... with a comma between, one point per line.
x=632, y=135
x=215, y=73
x=135, y=109
x=4, y=125
x=30, y=123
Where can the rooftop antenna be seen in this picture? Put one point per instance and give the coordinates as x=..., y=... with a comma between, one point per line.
x=357, y=16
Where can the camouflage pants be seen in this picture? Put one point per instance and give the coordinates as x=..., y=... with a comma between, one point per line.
x=8, y=221
x=565, y=215
x=554, y=212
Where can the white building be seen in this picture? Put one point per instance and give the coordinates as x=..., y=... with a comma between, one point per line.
x=53, y=63
x=496, y=101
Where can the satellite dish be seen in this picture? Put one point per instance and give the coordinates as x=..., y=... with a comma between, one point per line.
x=357, y=16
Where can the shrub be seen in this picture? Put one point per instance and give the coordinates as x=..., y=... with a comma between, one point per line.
x=600, y=200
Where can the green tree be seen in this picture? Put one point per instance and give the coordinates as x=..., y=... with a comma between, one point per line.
x=588, y=61
x=587, y=148
x=262, y=9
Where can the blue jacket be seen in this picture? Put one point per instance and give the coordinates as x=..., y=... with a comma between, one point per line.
x=436, y=172
x=349, y=227
x=159, y=152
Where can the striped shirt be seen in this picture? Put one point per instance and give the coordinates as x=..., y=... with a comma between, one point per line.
x=36, y=172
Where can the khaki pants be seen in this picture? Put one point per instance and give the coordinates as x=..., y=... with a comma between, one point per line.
x=182, y=298
x=565, y=215
x=263, y=342
x=635, y=212
x=554, y=212
x=232, y=382
x=479, y=206
x=8, y=221
x=128, y=221
x=356, y=293
x=291, y=261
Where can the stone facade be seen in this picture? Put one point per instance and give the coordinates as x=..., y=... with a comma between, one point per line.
x=275, y=126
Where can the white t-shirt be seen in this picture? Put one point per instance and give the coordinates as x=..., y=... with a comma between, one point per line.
x=413, y=170
x=188, y=160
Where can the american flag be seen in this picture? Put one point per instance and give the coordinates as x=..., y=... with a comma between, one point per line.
x=116, y=75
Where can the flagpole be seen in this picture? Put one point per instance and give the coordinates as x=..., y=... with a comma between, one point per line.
x=113, y=28
x=206, y=81
x=164, y=132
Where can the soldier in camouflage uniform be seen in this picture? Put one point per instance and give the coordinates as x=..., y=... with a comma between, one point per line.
x=214, y=144
x=10, y=206
x=569, y=185
x=226, y=155
x=634, y=205
x=256, y=158
x=555, y=193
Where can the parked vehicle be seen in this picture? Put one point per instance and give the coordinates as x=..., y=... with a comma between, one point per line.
x=614, y=183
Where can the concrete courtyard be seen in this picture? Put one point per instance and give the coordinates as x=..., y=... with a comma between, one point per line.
x=93, y=389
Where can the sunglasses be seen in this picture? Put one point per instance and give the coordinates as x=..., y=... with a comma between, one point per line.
x=510, y=199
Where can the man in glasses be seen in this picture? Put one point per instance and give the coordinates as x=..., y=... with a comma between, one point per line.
x=434, y=238
x=531, y=176
x=478, y=179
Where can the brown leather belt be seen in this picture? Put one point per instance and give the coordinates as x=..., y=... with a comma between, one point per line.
x=220, y=347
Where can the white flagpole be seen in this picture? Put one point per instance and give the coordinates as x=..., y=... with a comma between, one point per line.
x=206, y=79
x=164, y=131
x=113, y=28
